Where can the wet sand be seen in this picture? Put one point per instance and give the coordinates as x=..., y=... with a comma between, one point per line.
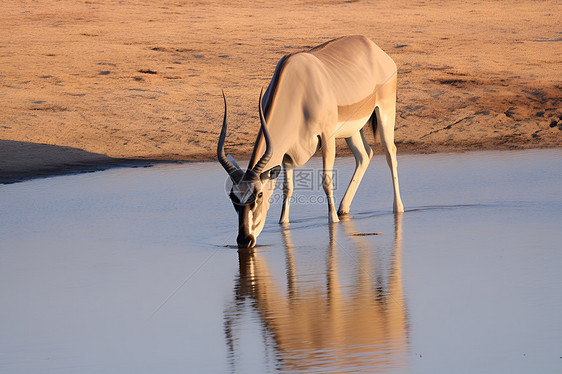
x=142, y=79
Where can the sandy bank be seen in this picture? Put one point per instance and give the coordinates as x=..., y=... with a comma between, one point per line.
x=142, y=79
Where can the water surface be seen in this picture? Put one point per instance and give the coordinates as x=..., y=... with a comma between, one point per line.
x=134, y=271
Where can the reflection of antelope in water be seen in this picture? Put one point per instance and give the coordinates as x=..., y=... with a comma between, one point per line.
x=354, y=319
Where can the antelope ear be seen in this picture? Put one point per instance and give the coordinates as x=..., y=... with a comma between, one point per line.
x=272, y=173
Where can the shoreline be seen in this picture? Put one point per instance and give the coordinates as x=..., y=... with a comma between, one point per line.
x=90, y=165
x=77, y=167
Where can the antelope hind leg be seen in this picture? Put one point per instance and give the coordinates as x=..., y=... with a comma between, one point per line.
x=363, y=156
x=385, y=119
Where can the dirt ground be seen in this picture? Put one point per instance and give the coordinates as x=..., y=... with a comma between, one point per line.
x=89, y=82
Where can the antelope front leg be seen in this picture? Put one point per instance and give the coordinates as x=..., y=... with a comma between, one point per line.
x=328, y=158
x=287, y=192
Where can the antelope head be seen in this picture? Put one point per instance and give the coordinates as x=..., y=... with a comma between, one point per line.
x=251, y=189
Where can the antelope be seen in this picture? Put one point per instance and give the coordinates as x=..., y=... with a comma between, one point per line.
x=316, y=96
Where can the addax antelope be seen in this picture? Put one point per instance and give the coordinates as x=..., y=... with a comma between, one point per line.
x=331, y=91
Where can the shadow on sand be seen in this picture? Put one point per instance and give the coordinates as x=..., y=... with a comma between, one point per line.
x=20, y=161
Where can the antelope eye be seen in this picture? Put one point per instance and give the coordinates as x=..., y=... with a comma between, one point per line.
x=260, y=195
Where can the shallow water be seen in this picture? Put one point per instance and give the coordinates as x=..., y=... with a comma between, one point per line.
x=134, y=271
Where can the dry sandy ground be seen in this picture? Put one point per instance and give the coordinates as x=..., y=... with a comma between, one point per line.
x=85, y=82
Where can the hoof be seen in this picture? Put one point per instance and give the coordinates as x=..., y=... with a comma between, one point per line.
x=284, y=224
x=342, y=213
x=333, y=219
